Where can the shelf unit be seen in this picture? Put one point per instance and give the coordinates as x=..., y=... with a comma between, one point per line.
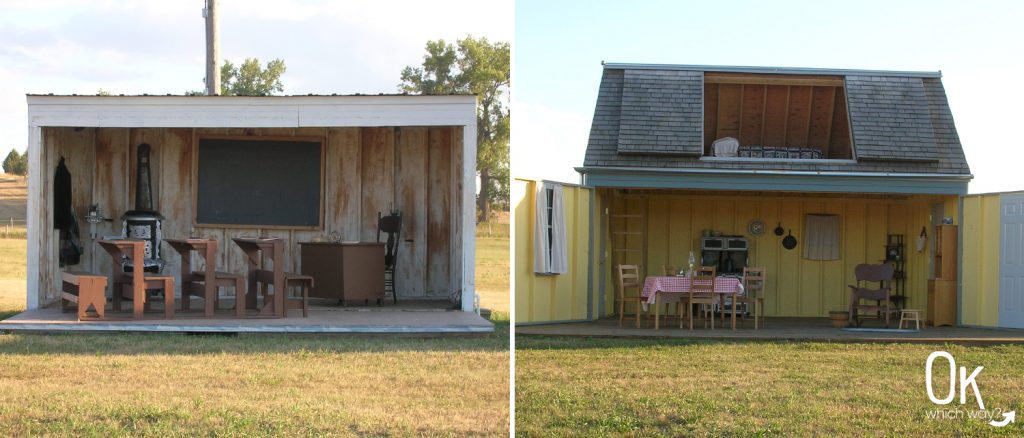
x=895, y=255
x=942, y=288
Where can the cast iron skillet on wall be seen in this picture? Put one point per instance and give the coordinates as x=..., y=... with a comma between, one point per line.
x=789, y=242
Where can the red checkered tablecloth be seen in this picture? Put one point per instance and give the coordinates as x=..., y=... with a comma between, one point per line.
x=723, y=285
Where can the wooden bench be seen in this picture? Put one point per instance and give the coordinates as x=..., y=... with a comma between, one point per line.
x=85, y=289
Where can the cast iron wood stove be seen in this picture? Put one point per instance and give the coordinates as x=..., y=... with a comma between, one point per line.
x=143, y=222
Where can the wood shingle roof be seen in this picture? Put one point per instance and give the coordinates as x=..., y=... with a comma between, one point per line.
x=651, y=117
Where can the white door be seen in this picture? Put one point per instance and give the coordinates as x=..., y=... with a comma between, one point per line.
x=1011, y=262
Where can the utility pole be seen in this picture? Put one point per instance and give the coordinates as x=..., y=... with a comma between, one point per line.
x=212, y=49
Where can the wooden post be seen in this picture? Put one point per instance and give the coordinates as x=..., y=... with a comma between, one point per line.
x=212, y=49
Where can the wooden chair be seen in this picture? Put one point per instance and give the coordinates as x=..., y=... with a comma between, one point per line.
x=301, y=301
x=865, y=273
x=392, y=226
x=753, y=292
x=195, y=285
x=628, y=276
x=702, y=293
x=151, y=283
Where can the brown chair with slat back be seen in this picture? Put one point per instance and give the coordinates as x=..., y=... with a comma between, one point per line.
x=702, y=293
x=882, y=274
x=629, y=276
x=753, y=292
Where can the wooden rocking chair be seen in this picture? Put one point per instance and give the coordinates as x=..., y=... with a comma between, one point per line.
x=882, y=274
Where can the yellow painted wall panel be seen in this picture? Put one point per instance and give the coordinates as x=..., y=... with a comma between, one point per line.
x=980, y=270
x=561, y=297
x=795, y=286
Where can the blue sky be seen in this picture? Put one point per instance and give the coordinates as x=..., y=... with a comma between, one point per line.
x=559, y=46
x=158, y=47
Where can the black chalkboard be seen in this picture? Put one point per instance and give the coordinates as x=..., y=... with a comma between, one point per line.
x=258, y=181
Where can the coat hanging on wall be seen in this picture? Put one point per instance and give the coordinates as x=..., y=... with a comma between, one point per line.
x=61, y=197
x=64, y=217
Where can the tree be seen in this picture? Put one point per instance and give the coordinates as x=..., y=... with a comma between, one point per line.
x=249, y=79
x=476, y=67
x=16, y=164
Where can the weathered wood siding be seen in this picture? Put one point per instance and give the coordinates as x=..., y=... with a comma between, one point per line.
x=367, y=170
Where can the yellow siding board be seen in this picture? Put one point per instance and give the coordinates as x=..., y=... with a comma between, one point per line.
x=832, y=281
x=768, y=246
x=789, y=261
x=981, y=250
x=658, y=232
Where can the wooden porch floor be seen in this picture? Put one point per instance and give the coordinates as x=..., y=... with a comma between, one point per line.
x=410, y=317
x=777, y=329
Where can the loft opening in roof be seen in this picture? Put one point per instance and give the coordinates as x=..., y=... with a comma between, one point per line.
x=766, y=116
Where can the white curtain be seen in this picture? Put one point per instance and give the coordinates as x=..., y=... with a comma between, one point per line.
x=549, y=257
x=821, y=237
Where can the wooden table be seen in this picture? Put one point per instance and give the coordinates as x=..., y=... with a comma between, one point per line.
x=135, y=250
x=274, y=250
x=656, y=286
x=207, y=248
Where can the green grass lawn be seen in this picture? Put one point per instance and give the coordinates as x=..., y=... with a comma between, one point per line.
x=570, y=386
x=492, y=273
x=177, y=385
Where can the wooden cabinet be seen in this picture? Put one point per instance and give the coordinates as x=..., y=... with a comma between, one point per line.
x=942, y=288
x=344, y=271
x=941, y=302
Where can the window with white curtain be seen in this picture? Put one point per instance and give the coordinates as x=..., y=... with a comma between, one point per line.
x=549, y=235
x=821, y=237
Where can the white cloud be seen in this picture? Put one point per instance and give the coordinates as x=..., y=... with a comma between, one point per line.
x=134, y=47
x=546, y=143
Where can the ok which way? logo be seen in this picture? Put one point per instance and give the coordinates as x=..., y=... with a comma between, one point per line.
x=966, y=381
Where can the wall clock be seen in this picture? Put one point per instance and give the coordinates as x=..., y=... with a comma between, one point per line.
x=756, y=228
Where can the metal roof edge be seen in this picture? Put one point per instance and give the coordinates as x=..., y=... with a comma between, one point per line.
x=541, y=180
x=617, y=169
x=771, y=70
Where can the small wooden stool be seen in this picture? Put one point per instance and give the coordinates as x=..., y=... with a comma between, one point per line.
x=85, y=289
x=304, y=282
x=910, y=315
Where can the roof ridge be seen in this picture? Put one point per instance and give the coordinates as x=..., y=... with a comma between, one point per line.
x=770, y=70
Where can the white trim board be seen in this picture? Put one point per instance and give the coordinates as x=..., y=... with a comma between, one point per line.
x=250, y=112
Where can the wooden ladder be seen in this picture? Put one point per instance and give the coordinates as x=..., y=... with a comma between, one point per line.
x=627, y=225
